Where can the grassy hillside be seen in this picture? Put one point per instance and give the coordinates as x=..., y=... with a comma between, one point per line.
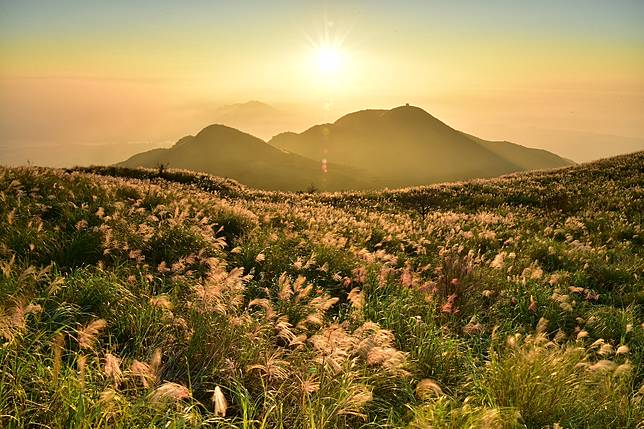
x=132, y=299
x=407, y=146
x=228, y=152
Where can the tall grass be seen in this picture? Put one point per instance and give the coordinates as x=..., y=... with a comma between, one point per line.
x=132, y=298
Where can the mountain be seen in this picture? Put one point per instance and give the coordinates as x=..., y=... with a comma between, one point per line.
x=249, y=117
x=369, y=149
x=227, y=152
x=407, y=146
x=526, y=158
x=260, y=119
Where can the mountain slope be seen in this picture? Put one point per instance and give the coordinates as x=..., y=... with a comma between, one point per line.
x=526, y=158
x=227, y=152
x=407, y=146
x=317, y=307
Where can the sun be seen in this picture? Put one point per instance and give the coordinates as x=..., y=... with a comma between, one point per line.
x=330, y=59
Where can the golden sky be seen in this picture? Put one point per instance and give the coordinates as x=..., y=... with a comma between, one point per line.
x=566, y=76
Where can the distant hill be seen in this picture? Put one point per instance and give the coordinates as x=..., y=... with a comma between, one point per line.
x=407, y=146
x=261, y=119
x=252, y=117
x=227, y=152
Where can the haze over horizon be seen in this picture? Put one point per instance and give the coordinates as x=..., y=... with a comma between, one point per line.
x=100, y=80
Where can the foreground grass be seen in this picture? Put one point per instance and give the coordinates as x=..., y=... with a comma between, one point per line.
x=132, y=300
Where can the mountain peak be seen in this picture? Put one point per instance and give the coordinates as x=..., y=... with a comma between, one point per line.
x=408, y=109
x=220, y=131
x=411, y=113
x=253, y=107
x=255, y=103
x=405, y=113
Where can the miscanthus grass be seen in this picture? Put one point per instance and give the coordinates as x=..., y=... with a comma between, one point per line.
x=129, y=299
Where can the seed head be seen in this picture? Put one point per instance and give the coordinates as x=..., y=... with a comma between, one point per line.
x=219, y=402
x=88, y=334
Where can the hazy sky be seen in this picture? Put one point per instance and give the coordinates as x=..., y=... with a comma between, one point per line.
x=564, y=75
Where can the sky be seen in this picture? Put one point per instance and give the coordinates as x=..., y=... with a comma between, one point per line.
x=567, y=76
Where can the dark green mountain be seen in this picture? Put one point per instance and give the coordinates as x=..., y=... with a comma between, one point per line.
x=227, y=152
x=407, y=146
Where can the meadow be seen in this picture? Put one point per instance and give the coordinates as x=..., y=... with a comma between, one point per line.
x=144, y=298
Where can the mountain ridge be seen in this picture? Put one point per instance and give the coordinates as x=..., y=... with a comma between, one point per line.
x=407, y=146
x=225, y=151
x=366, y=149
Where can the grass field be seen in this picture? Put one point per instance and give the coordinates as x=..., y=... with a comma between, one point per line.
x=133, y=298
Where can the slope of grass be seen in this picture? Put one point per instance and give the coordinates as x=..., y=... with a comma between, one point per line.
x=133, y=299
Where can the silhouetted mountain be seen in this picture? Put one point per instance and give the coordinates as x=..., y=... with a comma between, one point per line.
x=407, y=146
x=526, y=158
x=400, y=147
x=227, y=152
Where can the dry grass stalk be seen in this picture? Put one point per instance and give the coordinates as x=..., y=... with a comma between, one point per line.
x=148, y=373
x=427, y=389
x=57, y=347
x=88, y=334
x=219, y=402
x=162, y=302
x=169, y=392
x=112, y=368
x=82, y=366
x=357, y=299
